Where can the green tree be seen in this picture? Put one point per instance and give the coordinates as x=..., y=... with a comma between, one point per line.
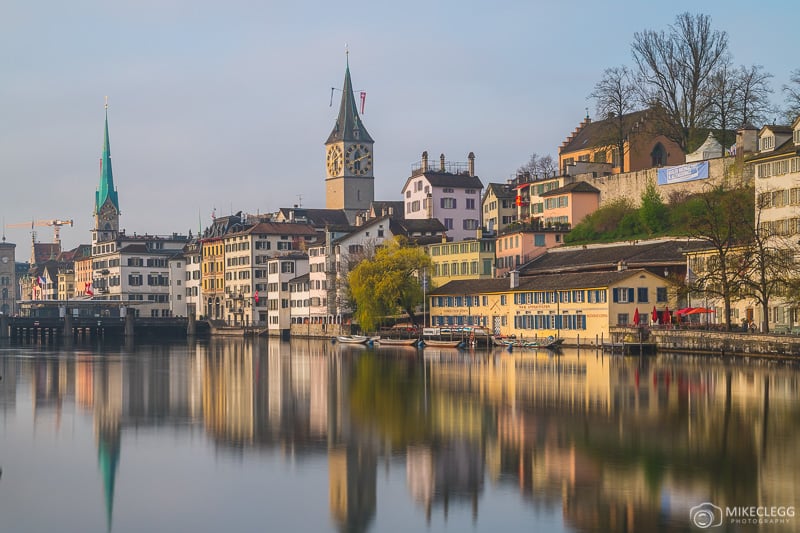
x=653, y=214
x=388, y=282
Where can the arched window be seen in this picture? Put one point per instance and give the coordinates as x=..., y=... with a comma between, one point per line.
x=659, y=155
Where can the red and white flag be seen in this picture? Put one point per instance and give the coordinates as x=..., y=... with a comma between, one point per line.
x=255, y=296
x=363, y=99
x=87, y=288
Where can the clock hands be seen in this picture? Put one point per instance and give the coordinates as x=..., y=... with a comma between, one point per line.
x=360, y=158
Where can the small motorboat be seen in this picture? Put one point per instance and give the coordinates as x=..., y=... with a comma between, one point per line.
x=397, y=342
x=433, y=343
x=352, y=339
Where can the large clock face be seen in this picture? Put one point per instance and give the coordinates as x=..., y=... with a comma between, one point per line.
x=335, y=161
x=359, y=159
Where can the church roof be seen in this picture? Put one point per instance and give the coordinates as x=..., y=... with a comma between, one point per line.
x=348, y=125
x=106, y=190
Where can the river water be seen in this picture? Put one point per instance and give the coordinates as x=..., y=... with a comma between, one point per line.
x=237, y=435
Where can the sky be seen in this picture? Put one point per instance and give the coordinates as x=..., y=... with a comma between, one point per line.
x=226, y=105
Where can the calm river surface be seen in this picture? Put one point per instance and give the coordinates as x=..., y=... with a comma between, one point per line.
x=259, y=435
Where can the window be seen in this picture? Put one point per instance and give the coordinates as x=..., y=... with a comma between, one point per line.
x=622, y=295
x=470, y=203
x=539, y=239
x=470, y=224
x=661, y=294
x=448, y=223
x=448, y=203
x=641, y=295
x=767, y=142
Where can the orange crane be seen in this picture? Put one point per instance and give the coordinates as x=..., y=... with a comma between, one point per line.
x=56, y=223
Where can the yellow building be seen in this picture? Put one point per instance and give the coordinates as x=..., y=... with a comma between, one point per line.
x=583, y=304
x=213, y=275
x=469, y=259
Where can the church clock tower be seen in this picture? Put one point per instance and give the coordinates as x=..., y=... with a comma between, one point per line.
x=106, y=203
x=349, y=182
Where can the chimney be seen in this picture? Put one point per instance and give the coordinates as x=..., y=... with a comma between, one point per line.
x=622, y=265
x=513, y=276
x=746, y=140
x=471, y=158
x=441, y=163
x=425, y=161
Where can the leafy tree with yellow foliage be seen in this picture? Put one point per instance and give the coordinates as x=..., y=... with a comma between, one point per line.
x=388, y=282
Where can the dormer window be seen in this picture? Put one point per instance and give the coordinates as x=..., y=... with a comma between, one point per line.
x=768, y=142
x=796, y=136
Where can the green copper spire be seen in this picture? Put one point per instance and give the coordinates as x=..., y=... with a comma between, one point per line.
x=106, y=190
x=348, y=125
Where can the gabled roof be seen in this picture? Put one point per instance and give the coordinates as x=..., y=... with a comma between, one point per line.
x=776, y=128
x=445, y=179
x=551, y=282
x=593, y=134
x=380, y=208
x=348, y=125
x=656, y=253
x=501, y=190
x=574, y=187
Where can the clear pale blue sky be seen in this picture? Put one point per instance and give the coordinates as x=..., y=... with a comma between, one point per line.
x=226, y=104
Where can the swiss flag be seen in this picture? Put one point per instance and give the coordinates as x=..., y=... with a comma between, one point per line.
x=255, y=296
x=87, y=288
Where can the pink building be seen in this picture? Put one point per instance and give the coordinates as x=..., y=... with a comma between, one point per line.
x=569, y=205
x=450, y=193
x=517, y=247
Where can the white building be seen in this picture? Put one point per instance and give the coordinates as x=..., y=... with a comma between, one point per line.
x=452, y=193
x=280, y=271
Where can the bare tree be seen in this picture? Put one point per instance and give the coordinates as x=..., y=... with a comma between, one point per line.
x=615, y=96
x=723, y=101
x=754, y=95
x=539, y=166
x=675, y=68
x=721, y=218
x=791, y=93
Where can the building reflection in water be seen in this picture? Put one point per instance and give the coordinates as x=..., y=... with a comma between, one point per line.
x=617, y=444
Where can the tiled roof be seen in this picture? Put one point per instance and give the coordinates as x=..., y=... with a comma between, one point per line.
x=279, y=228
x=445, y=179
x=316, y=217
x=551, y=282
x=574, y=187
x=501, y=190
x=595, y=132
x=606, y=257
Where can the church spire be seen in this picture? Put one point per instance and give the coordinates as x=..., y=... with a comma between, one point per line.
x=348, y=125
x=106, y=190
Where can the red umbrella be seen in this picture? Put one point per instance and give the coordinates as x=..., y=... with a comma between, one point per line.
x=636, y=318
x=654, y=315
x=666, y=318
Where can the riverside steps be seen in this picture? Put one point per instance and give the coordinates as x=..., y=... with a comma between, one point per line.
x=49, y=322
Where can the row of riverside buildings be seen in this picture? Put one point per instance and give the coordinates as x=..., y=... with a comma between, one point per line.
x=497, y=250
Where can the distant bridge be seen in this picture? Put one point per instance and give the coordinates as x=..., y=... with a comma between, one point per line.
x=71, y=328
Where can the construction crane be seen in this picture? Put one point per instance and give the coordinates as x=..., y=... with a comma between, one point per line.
x=55, y=223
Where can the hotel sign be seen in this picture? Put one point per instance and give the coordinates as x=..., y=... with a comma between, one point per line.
x=682, y=173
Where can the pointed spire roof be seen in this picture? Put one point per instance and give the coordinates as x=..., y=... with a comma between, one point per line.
x=106, y=188
x=348, y=125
